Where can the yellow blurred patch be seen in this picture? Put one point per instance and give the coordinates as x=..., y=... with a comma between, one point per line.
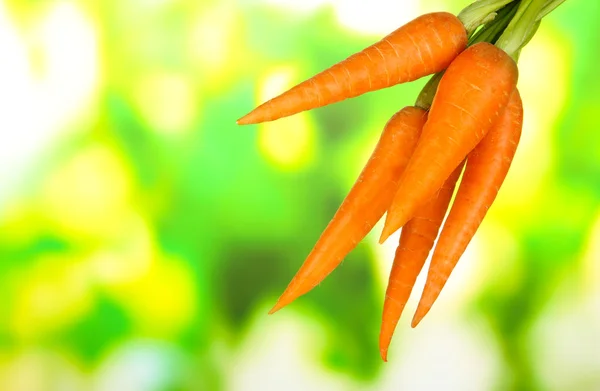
x=288, y=142
x=126, y=256
x=49, y=295
x=213, y=40
x=167, y=101
x=162, y=300
x=543, y=83
x=89, y=194
x=498, y=262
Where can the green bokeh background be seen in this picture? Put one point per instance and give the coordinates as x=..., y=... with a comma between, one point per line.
x=144, y=236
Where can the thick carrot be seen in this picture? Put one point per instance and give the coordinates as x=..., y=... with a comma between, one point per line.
x=365, y=204
x=487, y=166
x=416, y=240
x=421, y=47
x=471, y=95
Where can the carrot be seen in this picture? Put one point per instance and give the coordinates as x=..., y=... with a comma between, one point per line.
x=473, y=91
x=416, y=240
x=487, y=166
x=365, y=204
x=421, y=47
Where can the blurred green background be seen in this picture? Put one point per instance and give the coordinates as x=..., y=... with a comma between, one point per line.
x=144, y=236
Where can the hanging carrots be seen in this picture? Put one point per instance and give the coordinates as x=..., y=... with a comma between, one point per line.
x=469, y=114
x=473, y=91
x=365, y=204
x=487, y=166
x=423, y=46
x=416, y=240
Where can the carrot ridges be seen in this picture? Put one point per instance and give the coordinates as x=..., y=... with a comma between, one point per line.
x=473, y=91
x=486, y=168
x=416, y=240
x=365, y=204
x=397, y=58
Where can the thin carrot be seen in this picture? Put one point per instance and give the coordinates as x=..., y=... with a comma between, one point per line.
x=421, y=47
x=416, y=241
x=473, y=91
x=487, y=166
x=365, y=204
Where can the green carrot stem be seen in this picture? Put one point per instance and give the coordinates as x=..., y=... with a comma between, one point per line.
x=492, y=30
x=522, y=27
x=425, y=98
x=480, y=12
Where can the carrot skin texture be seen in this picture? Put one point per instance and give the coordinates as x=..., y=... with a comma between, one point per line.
x=486, y=169
x=365, y=204
x=472, y=93
x=421, y=47
x=416, y=240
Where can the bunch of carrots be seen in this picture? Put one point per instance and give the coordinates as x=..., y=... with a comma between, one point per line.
x=467, y=121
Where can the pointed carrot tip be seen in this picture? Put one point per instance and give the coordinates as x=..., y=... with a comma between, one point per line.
x=390, y=226
x=384, y=353
x=419, y=315
x=243, y=121
x=385, y=234
x=249, y=119
x=283, y=301
x=276, y=308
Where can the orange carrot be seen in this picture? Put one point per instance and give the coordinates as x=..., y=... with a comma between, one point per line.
x=473, y=91
x=365, y=204
x=487, y=166
x=416, y=240
x=421, y=47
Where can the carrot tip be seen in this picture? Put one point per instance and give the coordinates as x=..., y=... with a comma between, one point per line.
x=250, y=119
x=275, y=308
x=282, y=302
x=419, y=315
x=385, y=234
x=243, y=121
x=384, y=353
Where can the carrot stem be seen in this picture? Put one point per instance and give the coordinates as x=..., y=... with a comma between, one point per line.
x=521, y=28
x=492, y=30
x=425, y=98
x=480, y=12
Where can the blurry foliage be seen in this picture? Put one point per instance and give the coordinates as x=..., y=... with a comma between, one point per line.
x=240, y=225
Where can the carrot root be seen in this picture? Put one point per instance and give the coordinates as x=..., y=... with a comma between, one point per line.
x=421, y=47
x=472, y=93
x=364, y=206
x=416, y=240
x=486, y=168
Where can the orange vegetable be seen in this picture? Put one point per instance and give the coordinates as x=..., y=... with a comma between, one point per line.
x=421, y=47
x=416, y=240
x=487, y=166
x=471, y=95
x=367, y=201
